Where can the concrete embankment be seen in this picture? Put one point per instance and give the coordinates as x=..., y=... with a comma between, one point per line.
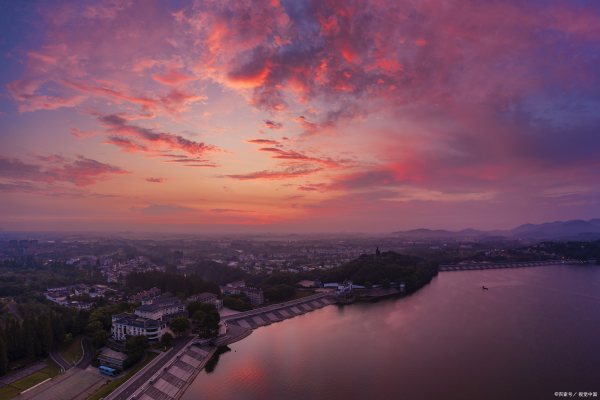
x=377, y=294
x=171, y=381
x=265, y=316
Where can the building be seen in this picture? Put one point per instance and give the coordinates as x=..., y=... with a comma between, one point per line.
x=344, y=287
x=161, y=308
x=125, y=325
x=255, y=295
x=207, y=298
x=146, y=295
x=233, y=288
x=111, y=358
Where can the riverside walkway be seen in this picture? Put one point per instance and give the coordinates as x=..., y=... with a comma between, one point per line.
x=479, y=266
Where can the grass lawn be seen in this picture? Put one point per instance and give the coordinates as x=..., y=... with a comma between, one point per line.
x=8, y=392
x=12, y=390
x=72, y=352
x=115, y=383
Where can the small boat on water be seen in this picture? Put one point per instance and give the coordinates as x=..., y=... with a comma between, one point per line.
x=483, y=287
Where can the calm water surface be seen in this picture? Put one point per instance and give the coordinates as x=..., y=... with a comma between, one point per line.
x=534, y=332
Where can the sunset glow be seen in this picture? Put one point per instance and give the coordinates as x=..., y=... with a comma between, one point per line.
x=309, y=116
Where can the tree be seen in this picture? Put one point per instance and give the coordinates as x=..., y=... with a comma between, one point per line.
x=166, y=339
x=136, y=344
x=179, y=325
x=136, y=347
x=279, y=292
x=68, y=338
x=3, y=356
x=99, y=338
x=44, y=332
x=93, y=327
x=207, y=318
x=193, y=307
x=31, y=344
x=237, y=302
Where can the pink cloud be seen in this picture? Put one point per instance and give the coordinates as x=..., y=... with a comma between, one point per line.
x=135, y=138
x=27, y=93
x=172, y=77
x=287, y=173
x=294, y=156
x=264, y=141
x=272, y=124
x=155, y=180
x=81, y=171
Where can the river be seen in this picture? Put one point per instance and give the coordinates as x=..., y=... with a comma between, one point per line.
x=536, y=331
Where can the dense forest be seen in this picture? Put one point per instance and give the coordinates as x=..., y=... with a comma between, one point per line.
x=30, y=330
x=179, y=285
x=218, y=273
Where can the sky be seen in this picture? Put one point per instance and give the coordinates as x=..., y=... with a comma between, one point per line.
x=298, y=116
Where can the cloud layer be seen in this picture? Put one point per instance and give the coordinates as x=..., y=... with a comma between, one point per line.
x=485, y=110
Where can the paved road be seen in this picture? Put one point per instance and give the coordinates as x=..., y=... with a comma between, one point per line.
x=58, y=358
x=144, y=377
x=67, y=386
x=88, y=354
x=74, y=383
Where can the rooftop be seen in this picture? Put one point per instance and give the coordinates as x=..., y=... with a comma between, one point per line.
x=134, y=320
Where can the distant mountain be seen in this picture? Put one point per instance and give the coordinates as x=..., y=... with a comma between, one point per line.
x=573, y=229
x=439, y=234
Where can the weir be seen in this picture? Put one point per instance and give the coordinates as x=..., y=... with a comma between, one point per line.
x=526, y=264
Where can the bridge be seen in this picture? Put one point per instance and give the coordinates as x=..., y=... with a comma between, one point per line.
x=524, y=264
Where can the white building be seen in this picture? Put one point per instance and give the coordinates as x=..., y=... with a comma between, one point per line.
x=125, y=325
x=161, y=308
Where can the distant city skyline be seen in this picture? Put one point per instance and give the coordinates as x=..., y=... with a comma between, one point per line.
x=298, y=116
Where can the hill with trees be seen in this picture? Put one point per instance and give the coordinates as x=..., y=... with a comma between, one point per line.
x=383, y=269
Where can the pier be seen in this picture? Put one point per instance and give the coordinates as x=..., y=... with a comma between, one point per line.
x=481, y=266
